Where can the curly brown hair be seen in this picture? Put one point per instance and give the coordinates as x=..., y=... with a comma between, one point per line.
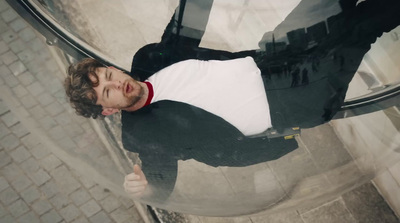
x=79, y=87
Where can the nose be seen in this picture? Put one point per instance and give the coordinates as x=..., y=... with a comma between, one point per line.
x=117, y=84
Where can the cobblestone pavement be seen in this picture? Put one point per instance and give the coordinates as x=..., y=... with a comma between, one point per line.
x=35, y=185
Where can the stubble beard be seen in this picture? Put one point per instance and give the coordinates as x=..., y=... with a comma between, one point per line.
x=133, y=100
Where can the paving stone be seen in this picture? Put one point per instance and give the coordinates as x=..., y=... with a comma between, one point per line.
x=67, y=144
x=128, y=203
x=19, y=91
x=20, y=154
x=60, y=173
x=367, y=205
x=63, y=118
x=9, y=119
x=35, y=88
x=37, y=112
x=8, y=196
x=8, y=58
x=9, y=79
x=27, y=34
x=11, y=171
x=19, y=130
x=3, y=183
x=26, y=78
x=3, y=130
x=70, y=212
x=50, y=162
x=81, y=220
x=9, y=15
x=51, y=217
x=21, y=183
x=34, y=67
x=110, y=203
x=28, y=101
x=29, y=217
x=37, y=45
x=73, y=129
x=30, y=165
x=17, y=68
x=332, y=212
x=41, y=206
x=3, y=107
x=80, y=196
x=18, y=24
x=45, y=99
x=57, y=89
x=31, y=194
x=40, y=151
x=43, y=55
x=40, y=177
x=3, y=47
x=3, y=211
x=120, y=215
x=98, y=192
x=7, y=219
x=9, y=36
x=57, y=133
x=47, y=122
x=90, y=208
x=26, y=55
x=100, y=217
x=3, y=26
x=3, y=6
x=49, y=189
x=17, y=46
x=5, y=159
x=30, y=140
x=59, y=201
x=9, y=142
x=54, y=108
x=18, y=208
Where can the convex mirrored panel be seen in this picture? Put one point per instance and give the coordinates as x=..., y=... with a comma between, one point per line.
x=223, y=108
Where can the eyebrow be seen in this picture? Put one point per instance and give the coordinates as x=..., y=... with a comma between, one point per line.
x=104, y=89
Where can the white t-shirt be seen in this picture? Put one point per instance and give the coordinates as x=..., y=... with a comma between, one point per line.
x=232, y=90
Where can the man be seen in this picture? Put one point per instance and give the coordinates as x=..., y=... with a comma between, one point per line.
x=168, y=125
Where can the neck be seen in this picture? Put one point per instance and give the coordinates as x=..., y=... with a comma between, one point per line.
x=142, y=101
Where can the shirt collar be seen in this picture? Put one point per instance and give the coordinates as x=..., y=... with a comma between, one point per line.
x=151, y=93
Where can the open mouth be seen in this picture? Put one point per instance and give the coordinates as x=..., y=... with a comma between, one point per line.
x=128, y=88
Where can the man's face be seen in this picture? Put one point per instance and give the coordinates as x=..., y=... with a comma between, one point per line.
x=116, y=89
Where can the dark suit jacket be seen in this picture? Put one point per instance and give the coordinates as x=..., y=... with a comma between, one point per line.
x=167, y=131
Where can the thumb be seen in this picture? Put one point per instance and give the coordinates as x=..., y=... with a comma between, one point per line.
x=138, y=171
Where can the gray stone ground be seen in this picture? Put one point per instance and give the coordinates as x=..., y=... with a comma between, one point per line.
x=37, y=186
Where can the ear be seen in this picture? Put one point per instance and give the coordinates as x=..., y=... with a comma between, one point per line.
x=109, y=111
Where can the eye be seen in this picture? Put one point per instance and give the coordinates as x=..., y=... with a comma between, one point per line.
x=110, y=76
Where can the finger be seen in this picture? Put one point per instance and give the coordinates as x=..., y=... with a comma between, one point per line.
x=135, y=184
x=131, y=177
x=135, y=190
x=137, y=170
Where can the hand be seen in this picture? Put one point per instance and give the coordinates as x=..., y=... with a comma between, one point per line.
x=135, y=183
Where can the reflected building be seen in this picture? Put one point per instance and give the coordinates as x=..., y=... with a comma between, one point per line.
x=298, y=39
x=317, y=32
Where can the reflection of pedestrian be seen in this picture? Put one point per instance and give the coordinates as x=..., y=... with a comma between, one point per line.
x=314, y=66
x=341, y=62
x=295, y=77
x=304, y=78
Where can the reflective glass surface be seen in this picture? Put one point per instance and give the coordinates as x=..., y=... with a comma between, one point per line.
x=313, y=57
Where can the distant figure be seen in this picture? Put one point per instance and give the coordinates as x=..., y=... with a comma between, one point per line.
x=295, y=77
x=304, y=78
